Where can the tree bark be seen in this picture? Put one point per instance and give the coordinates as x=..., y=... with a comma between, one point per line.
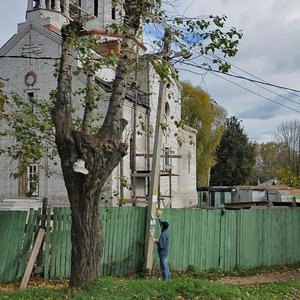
x=101, y=151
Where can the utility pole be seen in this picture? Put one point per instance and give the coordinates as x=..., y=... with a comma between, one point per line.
x=155, y=170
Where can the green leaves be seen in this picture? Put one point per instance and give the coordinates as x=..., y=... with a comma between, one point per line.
x=28, y=125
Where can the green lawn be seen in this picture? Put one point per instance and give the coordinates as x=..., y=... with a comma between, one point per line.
x=183, y=287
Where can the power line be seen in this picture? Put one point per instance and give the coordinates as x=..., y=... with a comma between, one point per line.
x=254, y=76
x=257, y=94
x=240, y=77
x=264, y=88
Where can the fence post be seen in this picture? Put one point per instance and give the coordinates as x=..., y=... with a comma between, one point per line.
x=39, y=266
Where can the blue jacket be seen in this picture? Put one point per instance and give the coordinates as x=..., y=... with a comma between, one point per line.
x=163, y=243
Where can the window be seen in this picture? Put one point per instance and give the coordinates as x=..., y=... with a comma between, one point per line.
x=167, y=159
x=96, y=8
x=36, y=3
x=30, y=98
x=189, y=162
x=32, y=180
x=113, y=13
x=167, y=109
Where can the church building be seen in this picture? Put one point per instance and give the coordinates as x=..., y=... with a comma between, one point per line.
x=27, y=64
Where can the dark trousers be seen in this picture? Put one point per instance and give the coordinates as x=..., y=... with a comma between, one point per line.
x=165, y=271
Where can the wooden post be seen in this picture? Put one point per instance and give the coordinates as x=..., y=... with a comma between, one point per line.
x=39, y=267
x=155, y=170
x=34, y=254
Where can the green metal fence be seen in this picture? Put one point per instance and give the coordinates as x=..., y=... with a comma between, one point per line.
x=233, y=238
x=203, y=238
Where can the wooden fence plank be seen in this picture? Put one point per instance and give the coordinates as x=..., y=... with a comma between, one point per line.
x=68, y=223
x=58, y=245
x=47, y=246
x=28, y=238
x=203, y=238
x=12, y=225
x=53, y=245
x=33, y=257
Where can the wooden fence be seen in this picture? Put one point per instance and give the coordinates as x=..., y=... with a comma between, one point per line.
x=203, y=238
x=233, y=238
x=17, y=232
x=124, y=231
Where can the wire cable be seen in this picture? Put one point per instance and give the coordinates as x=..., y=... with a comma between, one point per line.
x=264, y=88
x=240, y=77
x=257, y=94
x=254, y=76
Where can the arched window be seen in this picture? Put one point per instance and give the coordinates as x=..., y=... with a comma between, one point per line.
x=36, y=3
x=189, y=162
x=167, y=109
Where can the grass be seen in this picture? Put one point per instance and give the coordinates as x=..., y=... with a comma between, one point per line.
x=183, y=287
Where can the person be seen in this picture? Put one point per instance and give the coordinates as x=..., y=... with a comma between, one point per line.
x=163, y=249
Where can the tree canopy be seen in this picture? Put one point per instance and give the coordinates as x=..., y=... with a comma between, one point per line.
x=203, y=114
x=235, y=156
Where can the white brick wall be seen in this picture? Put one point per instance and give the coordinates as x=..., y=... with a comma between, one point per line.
x=44, y=43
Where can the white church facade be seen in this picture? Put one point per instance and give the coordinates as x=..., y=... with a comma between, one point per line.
x=27, y=62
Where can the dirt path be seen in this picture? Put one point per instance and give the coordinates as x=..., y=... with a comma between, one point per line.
x=281, y=275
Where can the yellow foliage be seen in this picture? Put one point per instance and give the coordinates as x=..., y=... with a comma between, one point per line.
x=201, y=112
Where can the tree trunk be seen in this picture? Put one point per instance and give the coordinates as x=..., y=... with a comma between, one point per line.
x=87, y=239
x=101, y=152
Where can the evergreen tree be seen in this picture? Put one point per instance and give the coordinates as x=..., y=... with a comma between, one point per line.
x=235, y=156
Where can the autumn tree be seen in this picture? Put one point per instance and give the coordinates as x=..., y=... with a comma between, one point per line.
x=103, y=147
x=235, y=156
x=287, y=138
x=202, y=113
x=267, y=162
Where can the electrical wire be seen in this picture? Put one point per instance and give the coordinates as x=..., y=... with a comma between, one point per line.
x=248, y=73
x=240, y=77
x=264, y=88
x=255, y=93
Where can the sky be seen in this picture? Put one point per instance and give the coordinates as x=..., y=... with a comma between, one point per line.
x=269, y=50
